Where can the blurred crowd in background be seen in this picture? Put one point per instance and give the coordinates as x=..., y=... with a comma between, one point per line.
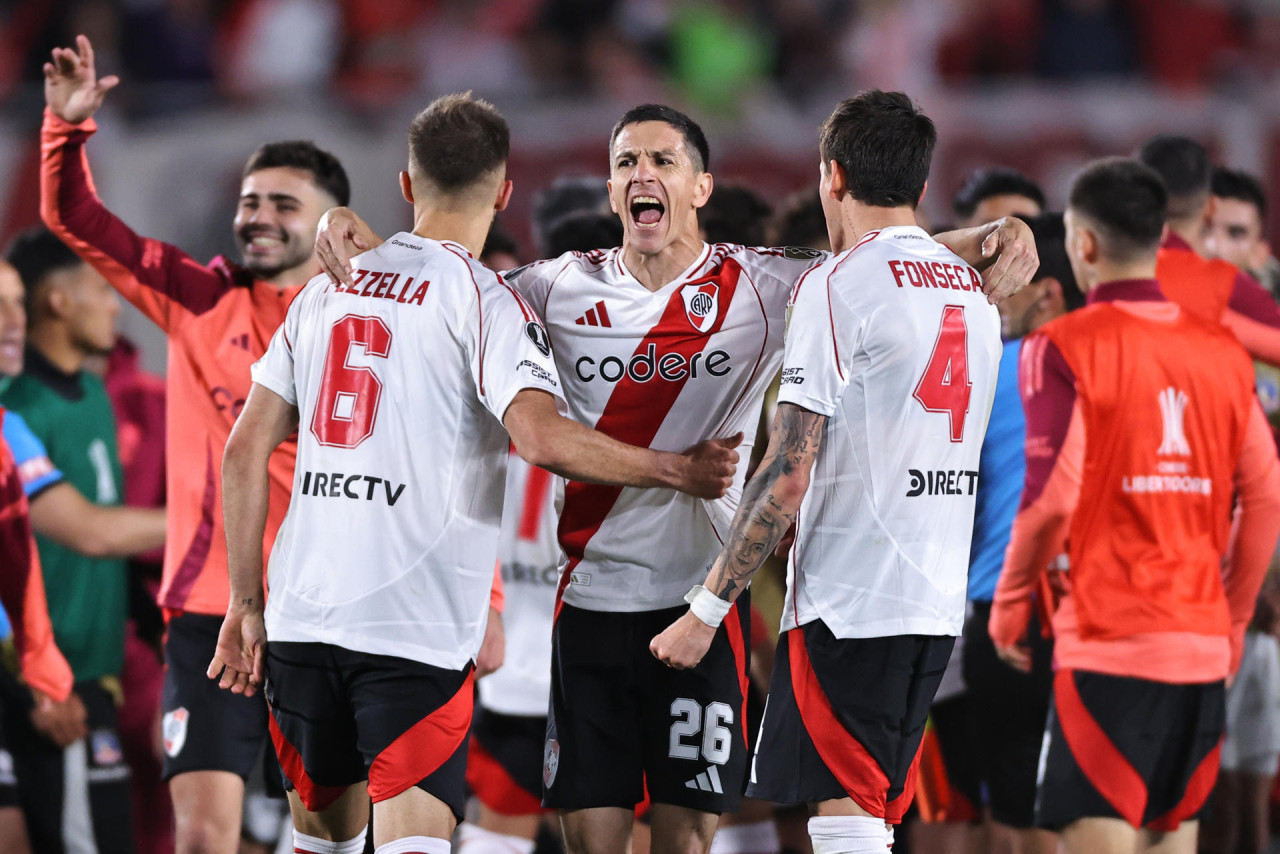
x=719, y=55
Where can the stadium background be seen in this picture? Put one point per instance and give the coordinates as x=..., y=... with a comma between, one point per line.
x=1039, y=85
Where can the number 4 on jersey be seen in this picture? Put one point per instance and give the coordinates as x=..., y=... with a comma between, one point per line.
x=945, y=385
x=347, y=405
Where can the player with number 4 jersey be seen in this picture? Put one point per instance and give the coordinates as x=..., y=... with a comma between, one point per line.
x=399, y=385
x=890, y=367
x=661, y=343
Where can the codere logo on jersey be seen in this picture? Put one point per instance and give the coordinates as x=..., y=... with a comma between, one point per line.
x=645, y=365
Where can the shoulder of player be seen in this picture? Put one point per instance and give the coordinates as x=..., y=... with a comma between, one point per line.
x=784, y=263
x=550, y=269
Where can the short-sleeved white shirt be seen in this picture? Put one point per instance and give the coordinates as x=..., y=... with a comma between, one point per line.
x=896, y=344
x=529, y=555
x=401, y=383
x=662, y=369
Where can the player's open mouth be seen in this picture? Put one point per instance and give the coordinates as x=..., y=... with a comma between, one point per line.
x=646, y=212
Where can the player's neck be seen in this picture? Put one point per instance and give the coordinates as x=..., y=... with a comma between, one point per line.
x=458, y=226
x=1191, y=231
x=294, y=277
x=860, y=219
x=54, y=343
x=1106, y=273
x=659, y=269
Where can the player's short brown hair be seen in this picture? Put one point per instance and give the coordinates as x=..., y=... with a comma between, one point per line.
x=884, y=143
x=1126, y=201
x=326, y=170
x=457, y=140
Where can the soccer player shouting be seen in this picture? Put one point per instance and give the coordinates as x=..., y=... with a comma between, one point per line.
x=219, y=318
x=400, y=386
x=1142, y=426
x=663, y=342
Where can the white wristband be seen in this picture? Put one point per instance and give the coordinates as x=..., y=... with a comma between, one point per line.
x=707, y=606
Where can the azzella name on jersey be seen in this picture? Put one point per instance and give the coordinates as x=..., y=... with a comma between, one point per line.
x=360, y=487
x=372, y=283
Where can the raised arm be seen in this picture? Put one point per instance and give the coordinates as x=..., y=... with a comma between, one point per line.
x=769, y=505
x=545, y=438
x=266, y=421
x=340, y=235
x=1004, y=251
x=154, y=276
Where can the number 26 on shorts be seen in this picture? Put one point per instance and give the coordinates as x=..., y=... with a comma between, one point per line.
x=716, y=737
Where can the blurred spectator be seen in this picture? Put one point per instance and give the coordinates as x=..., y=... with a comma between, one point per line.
x=1237, y=230
x=137, y=399
x=1086, y=38
x=734, y=214
x=500, y=250
x=799, y=221
x=719, y=54
x=989, y=194
x=279, y=46
x=567, y=195
x=75, y=794
x=583, y=232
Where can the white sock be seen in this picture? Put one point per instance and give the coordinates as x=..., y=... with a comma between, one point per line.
x=848, y=834
x=476, y=840
x=303, y=844
x=760, y=837
x=415, y=845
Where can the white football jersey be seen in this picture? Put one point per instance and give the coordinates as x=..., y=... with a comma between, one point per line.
x=401, y=383
x=896, y=344
x=529, y=556
x=662, y=369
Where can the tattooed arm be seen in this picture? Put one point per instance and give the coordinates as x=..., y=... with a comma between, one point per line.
x=769, y=505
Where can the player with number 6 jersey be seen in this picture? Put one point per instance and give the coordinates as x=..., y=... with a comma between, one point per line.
x=660, y=343
x=399, y=385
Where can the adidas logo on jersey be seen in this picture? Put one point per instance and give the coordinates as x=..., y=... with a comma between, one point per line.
x=595, y=316
x=707, y=781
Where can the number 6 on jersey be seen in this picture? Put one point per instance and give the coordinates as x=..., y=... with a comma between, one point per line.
x=347, y=405
x=945, y=385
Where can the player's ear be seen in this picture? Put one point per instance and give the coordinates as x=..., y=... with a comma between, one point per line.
x=406, y=186
x=612, y=205
x=923, y=190
x=504, y=196
x=839, y=180
x=1090, y=250
x=702, y=189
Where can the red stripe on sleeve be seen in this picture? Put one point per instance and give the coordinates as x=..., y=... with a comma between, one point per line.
x=1048, y=397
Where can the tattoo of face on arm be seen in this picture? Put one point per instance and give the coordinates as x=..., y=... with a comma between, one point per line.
x=767, y=511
